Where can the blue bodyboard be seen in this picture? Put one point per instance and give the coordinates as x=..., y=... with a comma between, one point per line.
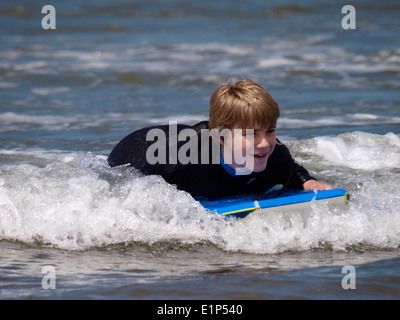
x=241, y=206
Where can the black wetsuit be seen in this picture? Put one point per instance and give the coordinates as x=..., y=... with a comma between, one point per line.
x=208, y=180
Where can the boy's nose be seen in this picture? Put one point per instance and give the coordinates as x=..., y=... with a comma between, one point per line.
x=263, y=143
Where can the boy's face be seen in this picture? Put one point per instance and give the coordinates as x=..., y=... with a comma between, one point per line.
x=250, y=148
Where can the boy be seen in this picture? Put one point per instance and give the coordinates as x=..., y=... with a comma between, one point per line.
x=243, y=118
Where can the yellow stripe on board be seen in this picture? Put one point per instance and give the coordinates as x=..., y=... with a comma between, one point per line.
x=242, y=210
x=346, y=197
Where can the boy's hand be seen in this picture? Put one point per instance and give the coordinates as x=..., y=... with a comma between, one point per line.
x=310, y=185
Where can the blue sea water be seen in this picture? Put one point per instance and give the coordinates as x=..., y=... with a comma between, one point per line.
x=68, y=95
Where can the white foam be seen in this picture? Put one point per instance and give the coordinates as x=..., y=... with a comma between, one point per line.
x=49, y=91
x=9, y=120
x=275, y=62
x=183, y=118
x=356, y=119
x=358, y=150
x=66, y=204
x=7, y=85
x=12, y=117
x=75, y=201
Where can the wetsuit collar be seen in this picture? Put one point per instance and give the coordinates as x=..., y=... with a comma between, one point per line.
x=227, y=168
x=230, y=170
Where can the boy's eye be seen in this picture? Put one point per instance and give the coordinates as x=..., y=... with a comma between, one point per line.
x=251, y=132
x=247, y=133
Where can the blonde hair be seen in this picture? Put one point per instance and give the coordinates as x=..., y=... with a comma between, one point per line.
x=243, y=103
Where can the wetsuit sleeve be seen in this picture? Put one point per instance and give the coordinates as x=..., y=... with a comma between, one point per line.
x=299, y=176
x=131, y=150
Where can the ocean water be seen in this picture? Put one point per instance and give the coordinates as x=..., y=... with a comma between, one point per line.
x=68, y=95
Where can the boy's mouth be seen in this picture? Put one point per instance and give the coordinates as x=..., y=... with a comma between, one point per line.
x=260, y=155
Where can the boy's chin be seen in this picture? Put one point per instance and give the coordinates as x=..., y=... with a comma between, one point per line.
x=249, y=168
x=259, y=167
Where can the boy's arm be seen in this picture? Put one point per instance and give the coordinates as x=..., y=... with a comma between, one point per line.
x=314, y=184
x=302, y=179
x=300, y=174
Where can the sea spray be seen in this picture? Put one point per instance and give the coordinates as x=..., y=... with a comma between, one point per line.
x=74, y=201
